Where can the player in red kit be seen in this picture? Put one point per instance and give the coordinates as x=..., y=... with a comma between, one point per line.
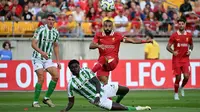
x=183, y=45
x=108, y=43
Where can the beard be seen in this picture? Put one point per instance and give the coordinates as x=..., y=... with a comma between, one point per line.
x=107, y=32
x=181, y=29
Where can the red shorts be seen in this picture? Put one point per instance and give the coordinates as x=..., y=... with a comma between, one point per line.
x=109, y=64
x=181, y=67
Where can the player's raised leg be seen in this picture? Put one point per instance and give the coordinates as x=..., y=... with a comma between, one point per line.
x=122, y=91
x=52, y=85
x=38, y=87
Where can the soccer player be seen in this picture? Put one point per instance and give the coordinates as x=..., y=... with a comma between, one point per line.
x=183, y=45
x=45, y=40
x=85, y=83
x=108, y=43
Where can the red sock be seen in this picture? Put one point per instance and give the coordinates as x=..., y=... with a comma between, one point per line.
x=176, y=86
x=96, y=67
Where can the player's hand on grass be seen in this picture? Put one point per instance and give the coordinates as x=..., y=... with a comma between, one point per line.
x=58, y=65
x=96, y=100
x=103, y=47
x=45, y=55
x=175, y=53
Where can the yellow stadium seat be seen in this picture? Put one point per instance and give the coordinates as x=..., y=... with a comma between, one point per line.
x=171, y=3
x=87, y=28
x=6, y=28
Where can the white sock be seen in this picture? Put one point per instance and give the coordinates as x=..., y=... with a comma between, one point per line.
x=34, y=102
x=46, y=98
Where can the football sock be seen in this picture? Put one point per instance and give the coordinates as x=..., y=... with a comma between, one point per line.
x=176, y=86
x=52, y=86
x=184, y=82
x=119, y=98
x=38, y=88
x=130, y=108
x=96, y=67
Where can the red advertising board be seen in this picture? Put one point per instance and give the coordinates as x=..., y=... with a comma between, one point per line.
x=135, y=74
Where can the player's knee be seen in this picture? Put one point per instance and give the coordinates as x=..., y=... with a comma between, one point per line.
x=126, y=90
x=40, y=80
x=55, y=78
x=186, y=76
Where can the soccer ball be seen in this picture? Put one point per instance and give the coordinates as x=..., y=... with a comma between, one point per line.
x=107, y=5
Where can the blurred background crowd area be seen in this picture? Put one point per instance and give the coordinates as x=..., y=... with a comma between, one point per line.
x=82, y=18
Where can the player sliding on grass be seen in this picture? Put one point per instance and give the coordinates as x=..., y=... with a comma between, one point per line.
x=85, y=83
x=108, y=43
x=183, y=45
x=45, y=40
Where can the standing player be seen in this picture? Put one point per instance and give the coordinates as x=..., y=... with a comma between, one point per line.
x=45, y=40
x=108, y=43
x=85, y=83
x=183, y=45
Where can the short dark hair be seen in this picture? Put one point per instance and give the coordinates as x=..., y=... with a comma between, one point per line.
x=149, y=34
x=51, y=15
x=182, y=19
x=109, y=21
x=72, y=62
x=4, y=44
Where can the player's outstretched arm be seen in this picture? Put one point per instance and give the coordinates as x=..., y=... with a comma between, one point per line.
x=70, y=104
x=97, y=84
x=136, y=40
x=93, y=45
x=96, y=45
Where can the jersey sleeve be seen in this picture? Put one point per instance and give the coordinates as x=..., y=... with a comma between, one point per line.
x=70, y=90
x=57, y=37
x=120, y=36
x=171, y=39
x=191, y=40
x=95, y=39
x=37, y=33
x=89, y=73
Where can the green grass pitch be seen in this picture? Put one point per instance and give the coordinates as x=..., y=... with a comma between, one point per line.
x=159, y=100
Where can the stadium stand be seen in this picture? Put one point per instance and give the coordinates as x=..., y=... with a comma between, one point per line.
x=16, y=26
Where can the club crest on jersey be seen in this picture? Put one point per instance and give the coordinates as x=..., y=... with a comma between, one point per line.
x=187, y=39
x=113, y=39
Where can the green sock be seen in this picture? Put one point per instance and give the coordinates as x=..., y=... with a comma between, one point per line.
x=130, y=108
x=119, y=98
x=52, y=86
x=38, y=88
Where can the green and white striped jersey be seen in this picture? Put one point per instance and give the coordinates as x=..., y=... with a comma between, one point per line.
x=82, y=86
x=46, y=38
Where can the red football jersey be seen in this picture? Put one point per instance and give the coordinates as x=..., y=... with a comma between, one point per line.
x=181, y=44
x=111, y=42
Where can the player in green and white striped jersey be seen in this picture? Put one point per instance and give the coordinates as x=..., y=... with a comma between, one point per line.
x=85, y=83
x=45, y=40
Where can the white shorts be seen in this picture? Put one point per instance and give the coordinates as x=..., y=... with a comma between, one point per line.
x=42, y=64
x=110, y=90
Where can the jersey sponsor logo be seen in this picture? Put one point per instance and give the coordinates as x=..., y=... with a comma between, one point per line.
x=110, y=46
x=47, y=40
x=82, y=84
x=182, y=45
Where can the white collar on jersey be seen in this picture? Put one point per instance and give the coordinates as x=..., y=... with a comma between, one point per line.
x=48, y=27
x=111, y=34
x=179, y=33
